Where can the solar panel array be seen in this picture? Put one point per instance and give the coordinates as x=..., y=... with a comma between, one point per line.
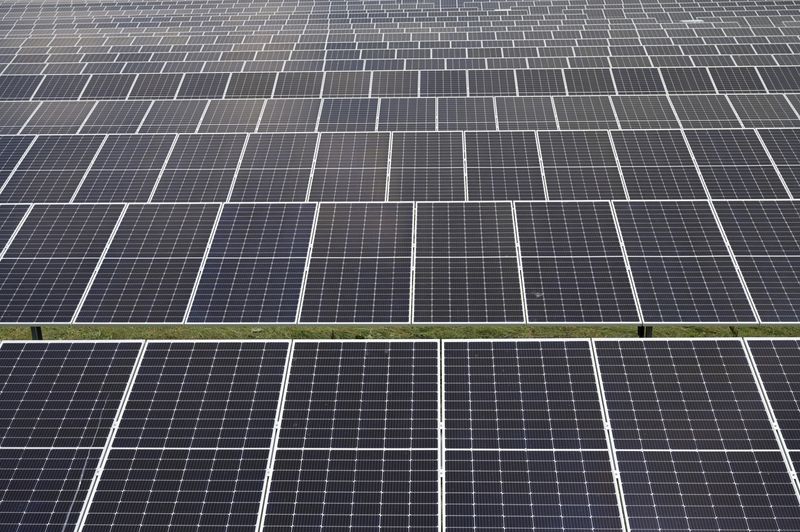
x=399, y=162
x=410, y=434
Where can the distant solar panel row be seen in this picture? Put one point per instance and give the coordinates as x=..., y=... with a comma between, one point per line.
x=540, y=262
x=558, y=434
x=392, y=79
x=402, y=166
x=395, y=114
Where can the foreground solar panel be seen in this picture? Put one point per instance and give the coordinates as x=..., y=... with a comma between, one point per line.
x=696, y=449
x=431, y=106
x=460, y=434
x=59, y=403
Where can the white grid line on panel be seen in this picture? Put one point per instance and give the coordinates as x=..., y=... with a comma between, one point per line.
x=99, y=262
x=772, y=417
x=25, y=124
x=772, y=161
x=276, y=432
x=313, y=163
x=377, y=115
x=619, y=165
x=541, y=166
x=202, y=116
x=19, y=162
x=203, y=261
x=442, y=437
x=101, y=463
x=627, y=262
x=519, y=262
x=464, y=164
x=88, y=115
x=88, y=169
x=163, y=168
x=16, y=231
x=411, y=305
x=307, y=265
x=239, y=164
x=612, y=451
x=555, y=111
x=388, y=166
x=145, y=115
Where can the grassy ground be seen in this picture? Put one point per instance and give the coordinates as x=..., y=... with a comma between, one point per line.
x=344, y=332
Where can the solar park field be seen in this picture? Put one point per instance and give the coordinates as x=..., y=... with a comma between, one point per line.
x=403, y=265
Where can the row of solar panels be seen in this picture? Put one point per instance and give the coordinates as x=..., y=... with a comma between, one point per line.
x=424, y=166
x=401, y=114
x=374, y=81
x=527, y=434
x=558, y=41
x=535, y=262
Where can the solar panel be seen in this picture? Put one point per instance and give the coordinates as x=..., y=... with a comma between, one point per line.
x=716, y=490
x=44, y=488
x=116, y=117
x=362, y=395
x=62, y=394
x=551, y=490
x=204, y=395
x=734, y=165
x=324, y=488
x=255, y=267
x=503, y=166
x=580, y=165
x=573, y=266
x=229, y=483
x=657, y=165
x=427, y=167
x=51, y=170
x=14, y=115
x=360, y=265
x=521, y=395
x=680, y=263
x=200, y=168
x=350, y=167
x=659, y=396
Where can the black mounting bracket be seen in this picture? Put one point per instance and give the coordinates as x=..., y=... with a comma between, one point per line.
x=645, y=331
x=36, y=333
